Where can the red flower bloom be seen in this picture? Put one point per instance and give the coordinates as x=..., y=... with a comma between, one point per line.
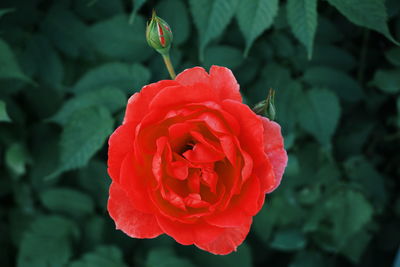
x=192, y=161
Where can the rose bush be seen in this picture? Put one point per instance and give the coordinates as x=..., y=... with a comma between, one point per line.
x=192, y=161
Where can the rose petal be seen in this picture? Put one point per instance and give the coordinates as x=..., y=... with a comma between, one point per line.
x=251, y=135
x=157, y=167
x=175, y=199
x=247, y=168
x=229, y=147
x=227, y=241
x=192, y=76
x=119, y=144
x=187, y=234
x=131, y=221
x=224, y=82
x=194, y=182
x=212, y=145
x=135, y=183
x=202, y=153
x=178, y=169
x=138, y=104
x=195, y=201
x=274, y=148
x=231, y=124
x=241, y=208
x=187, y=95
x=178, y=130
x=266, y=174
x=209, y=177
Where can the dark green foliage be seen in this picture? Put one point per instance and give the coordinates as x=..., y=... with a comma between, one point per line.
x=68, y=67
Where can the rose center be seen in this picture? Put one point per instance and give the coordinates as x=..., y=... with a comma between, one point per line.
x=185, y=147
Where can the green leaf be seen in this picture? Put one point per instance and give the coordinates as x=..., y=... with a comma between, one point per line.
x=3, y=112
x=165, y=257
x=116, y=39
x=393, y=8
x=41, y=60
x=45, y=155
x=83, y=135
x=95, y=180
x=354, y=249
x=94, y=230
x=302, y=18
x=137, y=4
x=289, y=240
x=128, y=78
x=98, y=9
x=111, y=98
x=222, y=55
x=319, y=113
x=180, y=25
x=5, y=11
x=67, y=32
x=333, y=56
x=47, y=243
x=9, y=68
x=254, y=17
x=16, y=158
x=328, y=31
x=370, y=180
x=103, y=256
x=283, y=45
x=279, y=212
x=273, y=76
x=347, y=212
x=67, y=201
x=367, y=13
x=387, y=81
x=354, y=134
x=308, y=259
x=393, y=56
x=211, y=17
x=286, y=101
x=343, y=84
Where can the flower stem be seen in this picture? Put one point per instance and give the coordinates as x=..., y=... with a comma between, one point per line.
x=168, y=64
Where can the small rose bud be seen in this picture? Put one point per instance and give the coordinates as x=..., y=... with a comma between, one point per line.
x=266, y=107
x=159, y=34
x=270, y=111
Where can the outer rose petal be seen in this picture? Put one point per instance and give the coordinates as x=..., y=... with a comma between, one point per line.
x=251, y=136
x=187, y=94
x=192, y=76
x=211, y=238
x=120, y=143
x=225, y=83
x=132, y=222
x=228, y=241
x=188, y=234
x=134, y=185
x=274, y=148
x=221, y=79
x=250, y=140
x=138, y=103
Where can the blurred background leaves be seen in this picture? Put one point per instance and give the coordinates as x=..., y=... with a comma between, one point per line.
x=68, y=67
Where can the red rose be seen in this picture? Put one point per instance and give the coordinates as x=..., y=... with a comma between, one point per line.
x=192, y=161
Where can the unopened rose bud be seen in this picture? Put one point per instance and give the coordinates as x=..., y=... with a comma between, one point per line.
x=159, y=34
x=266, y=107
x=270, y=110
